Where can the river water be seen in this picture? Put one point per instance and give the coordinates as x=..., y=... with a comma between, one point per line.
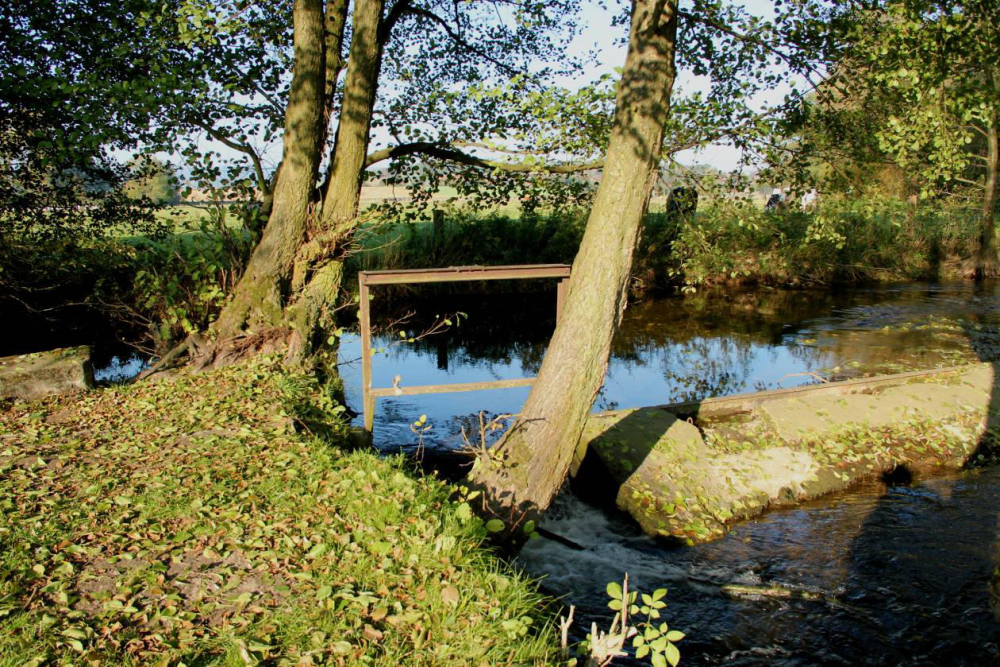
x=900, y=572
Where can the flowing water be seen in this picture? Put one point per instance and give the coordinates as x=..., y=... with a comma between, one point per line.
x=895, y=574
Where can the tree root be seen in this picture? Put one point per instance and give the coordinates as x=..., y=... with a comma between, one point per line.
x=201, y=354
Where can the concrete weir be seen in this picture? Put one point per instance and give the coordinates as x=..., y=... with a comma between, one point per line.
x=31, y=376
x=688, y=471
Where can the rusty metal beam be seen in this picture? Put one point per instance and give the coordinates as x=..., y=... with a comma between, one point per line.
x=445, y=275
x=447, y=388
x=464, y=273
x=364, y=315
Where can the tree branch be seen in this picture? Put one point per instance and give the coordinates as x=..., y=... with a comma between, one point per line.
x=242, y=148
x=968, y=182
x=447, y=152
x=457, y=38
x=973, y=126
x=399, y=8
x=704, y=20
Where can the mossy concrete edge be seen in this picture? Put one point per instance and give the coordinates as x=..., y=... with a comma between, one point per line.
x=692, y=483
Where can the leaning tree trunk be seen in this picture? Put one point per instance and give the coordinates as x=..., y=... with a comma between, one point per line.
x=259, y=299
x=986, y=253
x=535, y=453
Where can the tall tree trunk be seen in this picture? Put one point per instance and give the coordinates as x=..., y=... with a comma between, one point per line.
x=259, y=298
x=986, y=254
x=320, y=264
x=535, y=453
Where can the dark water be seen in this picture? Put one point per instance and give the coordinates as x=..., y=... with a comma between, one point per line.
x=905, y=569
x=672, y=349
x=902, y=570
x=113, y=359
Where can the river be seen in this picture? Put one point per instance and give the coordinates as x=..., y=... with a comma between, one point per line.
x=896, y=574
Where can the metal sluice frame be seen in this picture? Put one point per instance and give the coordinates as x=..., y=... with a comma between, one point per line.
x=446, y=275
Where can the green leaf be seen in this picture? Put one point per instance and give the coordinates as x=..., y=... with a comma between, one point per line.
x=675, y=636
x=494, y=525
x=673, y=655
x=324, y=592
x=615, y=590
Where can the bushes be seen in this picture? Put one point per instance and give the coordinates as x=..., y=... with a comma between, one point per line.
x=182, y=283
x=157, y=290
x=841, y=240
x=465, y=238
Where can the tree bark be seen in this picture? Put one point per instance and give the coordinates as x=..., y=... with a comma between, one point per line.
x=320, y=264
x=259, y=298
x=535, y=454
x=342, y=190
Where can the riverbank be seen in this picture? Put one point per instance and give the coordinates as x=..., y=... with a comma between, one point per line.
x=843, y=242
x=219, y=519
x=735, y=457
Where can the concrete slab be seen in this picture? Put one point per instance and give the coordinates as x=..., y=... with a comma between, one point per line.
x=797, y=418
x=681, y=481
x=59, y=371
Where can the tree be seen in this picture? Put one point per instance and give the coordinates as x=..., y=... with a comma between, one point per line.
x=56, y=132
x=152, y=180
x=938, y=61
x=538, y=448
x=531, y=462
x=288, y=293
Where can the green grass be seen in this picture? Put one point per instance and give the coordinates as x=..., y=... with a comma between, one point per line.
x=206, y=521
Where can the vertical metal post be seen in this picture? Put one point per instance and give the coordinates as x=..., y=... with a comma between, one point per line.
x=561, y=297
x=368, y=403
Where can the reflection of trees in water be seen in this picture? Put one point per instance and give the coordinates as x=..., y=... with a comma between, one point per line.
x=504, y=330
x=707, y=343
x=499, y=331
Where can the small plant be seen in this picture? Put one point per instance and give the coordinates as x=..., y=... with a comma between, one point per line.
x=420, y=427
x=657, y=642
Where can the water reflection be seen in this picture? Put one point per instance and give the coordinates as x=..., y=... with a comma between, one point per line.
x=678, y=348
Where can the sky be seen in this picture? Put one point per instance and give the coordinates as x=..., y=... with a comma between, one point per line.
x=598, y=33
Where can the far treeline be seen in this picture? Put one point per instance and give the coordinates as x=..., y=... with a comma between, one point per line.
x=887, y=109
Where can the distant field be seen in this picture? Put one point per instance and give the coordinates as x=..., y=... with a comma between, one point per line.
x=186, y=217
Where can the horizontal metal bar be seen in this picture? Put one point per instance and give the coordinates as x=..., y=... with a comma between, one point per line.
x=380, y=392
x=453, y=274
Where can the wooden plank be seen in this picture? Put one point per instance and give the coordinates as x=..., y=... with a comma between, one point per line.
x=724, y=406
x=381, y=392
x=367, y=400
x=464, y=273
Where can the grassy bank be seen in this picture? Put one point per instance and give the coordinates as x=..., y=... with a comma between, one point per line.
x=215, y=520
x=162, y=289
x=842, y=241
